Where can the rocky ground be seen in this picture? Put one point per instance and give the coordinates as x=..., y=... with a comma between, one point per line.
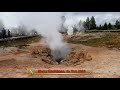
x=15, y=61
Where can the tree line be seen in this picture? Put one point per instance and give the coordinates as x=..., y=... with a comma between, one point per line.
x=16, y=32
x=90, y=24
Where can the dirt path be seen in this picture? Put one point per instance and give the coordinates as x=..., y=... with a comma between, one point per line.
x=105, y=62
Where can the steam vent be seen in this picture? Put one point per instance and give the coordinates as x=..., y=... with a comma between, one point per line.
x=46, y=55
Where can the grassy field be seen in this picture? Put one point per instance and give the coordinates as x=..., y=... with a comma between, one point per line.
x=108, y=39
x=20, y=42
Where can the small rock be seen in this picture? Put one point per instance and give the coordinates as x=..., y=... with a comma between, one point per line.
x=88, y=58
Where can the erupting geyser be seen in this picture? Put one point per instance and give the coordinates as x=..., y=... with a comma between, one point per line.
x=46, y=23
x=49, y=24
x=59, y=48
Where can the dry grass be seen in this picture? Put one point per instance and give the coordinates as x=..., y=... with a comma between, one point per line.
x=20, y=42
x=105, y=39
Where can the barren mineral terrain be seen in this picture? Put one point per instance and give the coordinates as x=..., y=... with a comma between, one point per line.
x=15, y=61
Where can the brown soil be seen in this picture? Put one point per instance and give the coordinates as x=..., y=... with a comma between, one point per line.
x=14, y=62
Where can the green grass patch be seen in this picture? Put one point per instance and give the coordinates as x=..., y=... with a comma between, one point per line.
x=20, y=42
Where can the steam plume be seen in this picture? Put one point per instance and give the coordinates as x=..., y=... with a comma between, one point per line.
x=72, y=23
x=47, y=24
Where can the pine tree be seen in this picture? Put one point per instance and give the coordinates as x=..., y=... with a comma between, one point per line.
x=75, y=30
x=100, y=27
x=109, y=26
x=88, y=23
x=97, y=27
x=117, y=24
x=84, y=25
x=92, y=23
x=105, y=27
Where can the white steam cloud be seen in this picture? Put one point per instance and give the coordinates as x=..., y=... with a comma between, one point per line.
x=46, y=23
x=72, y=23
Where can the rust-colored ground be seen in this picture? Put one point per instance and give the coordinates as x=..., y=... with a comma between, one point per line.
x=14, y=63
